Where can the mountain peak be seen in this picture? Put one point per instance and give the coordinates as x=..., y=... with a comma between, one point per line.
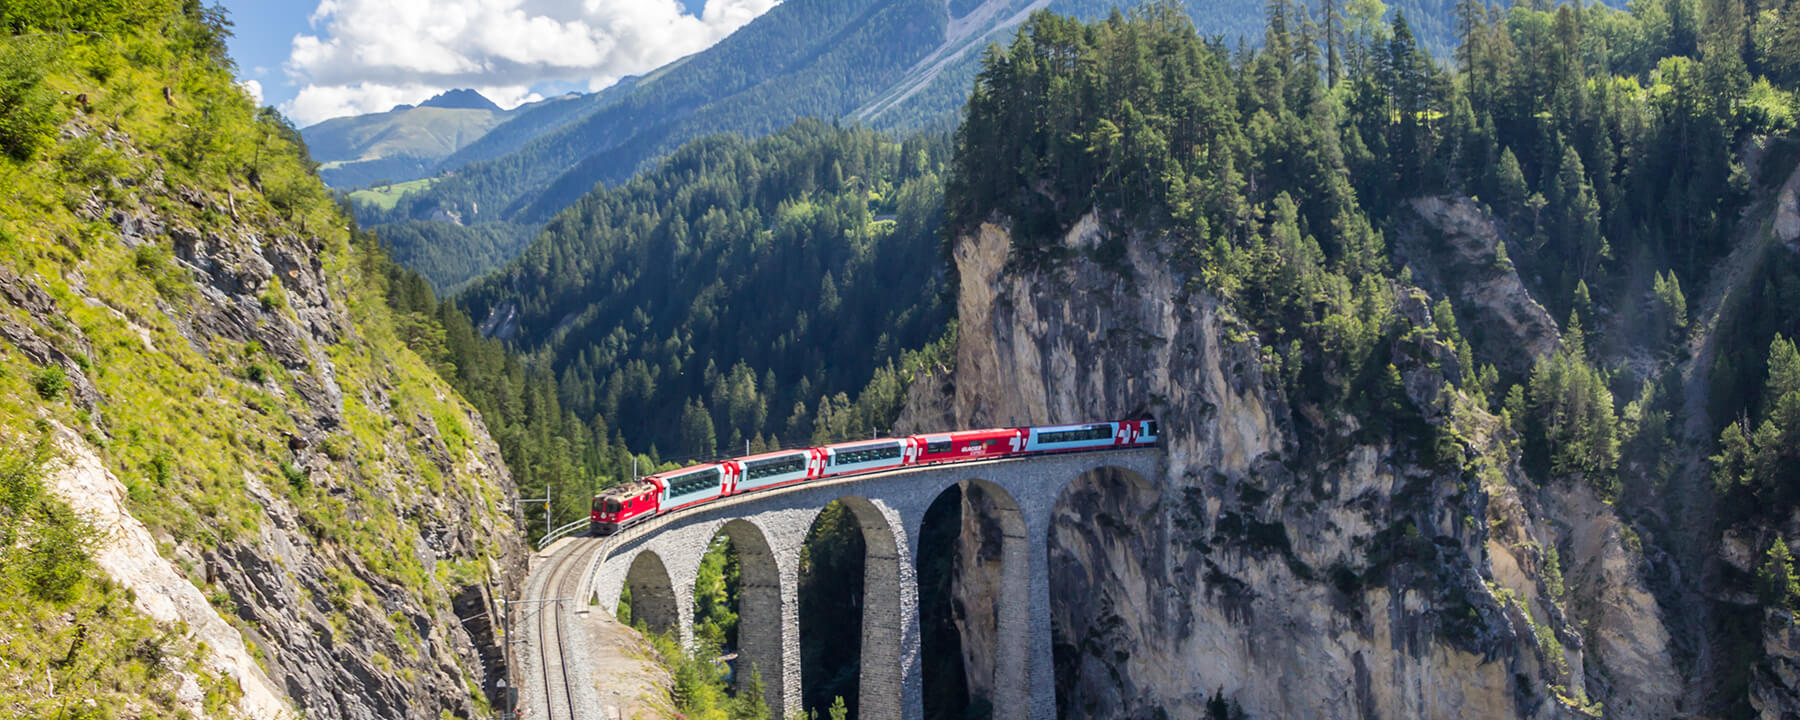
x=462, y=99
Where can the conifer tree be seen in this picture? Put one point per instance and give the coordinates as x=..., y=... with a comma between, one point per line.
x=1776, y=584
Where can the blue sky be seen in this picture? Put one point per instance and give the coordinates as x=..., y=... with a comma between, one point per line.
x=262, y=33
x=318, y=59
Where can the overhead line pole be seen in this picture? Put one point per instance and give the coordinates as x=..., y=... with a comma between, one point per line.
x=546, y=501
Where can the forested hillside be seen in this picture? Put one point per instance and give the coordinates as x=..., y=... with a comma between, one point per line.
x=900, y=65
x=1632, y=167
x=740, y=293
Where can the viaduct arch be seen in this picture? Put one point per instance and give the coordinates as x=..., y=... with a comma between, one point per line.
x=769, y=529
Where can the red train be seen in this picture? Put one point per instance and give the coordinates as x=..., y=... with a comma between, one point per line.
x=624, y=505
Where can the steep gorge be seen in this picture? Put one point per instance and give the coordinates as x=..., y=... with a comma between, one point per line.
x=1296, y=561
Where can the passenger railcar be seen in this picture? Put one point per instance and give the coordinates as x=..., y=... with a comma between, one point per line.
x=622, y=506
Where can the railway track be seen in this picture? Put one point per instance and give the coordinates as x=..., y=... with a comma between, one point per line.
x=556, y=597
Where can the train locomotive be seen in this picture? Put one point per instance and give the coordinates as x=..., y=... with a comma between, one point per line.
x=624, y=505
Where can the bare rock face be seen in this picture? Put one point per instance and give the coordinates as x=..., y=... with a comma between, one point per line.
x=359, y=591
x=976, y=587
x=1787, y=212
x=1452, y=246
x=1775, y=684
x=127, y=553
x=1296, y=561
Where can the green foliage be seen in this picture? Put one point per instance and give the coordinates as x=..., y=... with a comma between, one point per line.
x=1104, y=136
x=716, y=596
x=452, y=256
x=50, y=382
x=28, y=110
x=698, y=440
x=45, y=548
x=1671, y=306
x=1571, y=430
x=89, y=16
x=1553, y=576
x=273, y=297
x=734, y=283
x=1763, y=459
x=699, y=684
x=1776, y=584
x=156, y=265
x=61, y=624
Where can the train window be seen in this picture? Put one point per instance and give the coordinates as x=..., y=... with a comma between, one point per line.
x=774, y=466
x=1150, y=427
x=938, y=446
x=693, y=482
x=1091, y=432
x=864, y=454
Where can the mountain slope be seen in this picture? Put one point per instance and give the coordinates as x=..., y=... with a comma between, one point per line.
x=808, y=57
x=763, y=281
x=196, y=351
x=404, y=143
x=894, y=64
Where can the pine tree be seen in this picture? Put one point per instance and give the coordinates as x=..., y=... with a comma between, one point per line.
x=1333, y=42
x=1471, y=17
x=1776, y=584
x=698, y=439
x=1509, y=183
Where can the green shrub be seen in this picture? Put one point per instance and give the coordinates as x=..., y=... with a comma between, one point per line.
x=155, y=264
x=334, y=448
x=56, y=559
x=51, y=382
x=297, y=477
x=273, y=297
x=27, y=107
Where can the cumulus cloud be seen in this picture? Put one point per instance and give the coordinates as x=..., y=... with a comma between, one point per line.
x=254, y=88
x=369, y=55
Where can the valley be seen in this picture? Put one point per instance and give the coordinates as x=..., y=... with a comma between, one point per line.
x=916, y=359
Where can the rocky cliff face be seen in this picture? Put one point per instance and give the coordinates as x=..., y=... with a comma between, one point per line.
x=1453, y=248
x=277, y=477
x=1297, y=561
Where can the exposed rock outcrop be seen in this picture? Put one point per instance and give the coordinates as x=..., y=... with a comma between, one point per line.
x=1297, y=561
x=1452, y=246
x=127, y=553
x=334, y=558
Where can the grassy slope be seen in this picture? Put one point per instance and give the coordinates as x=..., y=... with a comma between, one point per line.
x=182, y=422
x=385, y=196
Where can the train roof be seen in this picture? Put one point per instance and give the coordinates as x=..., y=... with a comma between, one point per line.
x=683, y=471
x=967, y=433
x=1075, y=426
x=626, y=490
x=848, y=444
x=772, y=454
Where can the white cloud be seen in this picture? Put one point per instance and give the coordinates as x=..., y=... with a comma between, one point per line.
x=254, y=88
x=369, y=55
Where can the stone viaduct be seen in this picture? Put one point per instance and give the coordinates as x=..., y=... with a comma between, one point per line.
x=660, y=560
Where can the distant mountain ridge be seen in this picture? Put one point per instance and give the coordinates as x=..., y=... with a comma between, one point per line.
x=404, y=143
x=463, y=99
x=890, y=64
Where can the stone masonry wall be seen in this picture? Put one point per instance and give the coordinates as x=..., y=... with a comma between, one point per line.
x=891, y=509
